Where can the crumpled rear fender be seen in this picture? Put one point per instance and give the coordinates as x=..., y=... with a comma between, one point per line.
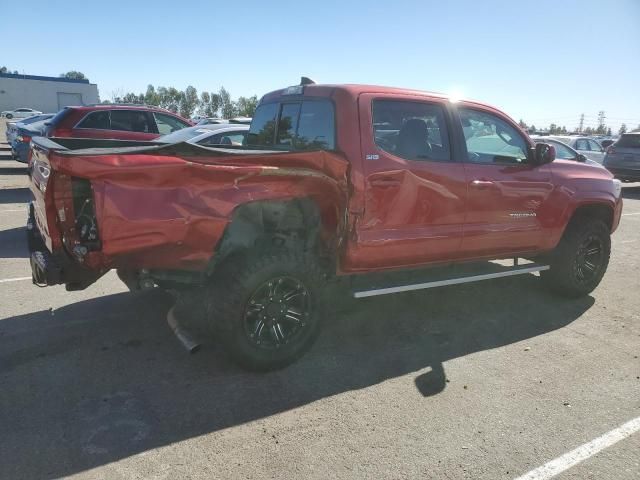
x=169, y=212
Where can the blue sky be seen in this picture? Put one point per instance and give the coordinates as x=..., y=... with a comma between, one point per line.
x=540, y=60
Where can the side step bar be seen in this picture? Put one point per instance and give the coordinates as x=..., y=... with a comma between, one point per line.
x=516, y=270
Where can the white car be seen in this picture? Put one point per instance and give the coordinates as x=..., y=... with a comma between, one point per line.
x=20, y=113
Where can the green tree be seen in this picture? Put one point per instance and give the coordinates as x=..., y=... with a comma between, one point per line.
x=151, y=96
x=132, y=98
x=188, y=102
x=623, y=129
x=522, y=124
x=246, y=107
x=74, y=74
x=227, y=106
x=609, y=131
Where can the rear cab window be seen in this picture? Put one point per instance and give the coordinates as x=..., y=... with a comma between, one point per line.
x=297, y=125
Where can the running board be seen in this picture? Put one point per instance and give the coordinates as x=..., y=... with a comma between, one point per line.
x=517, y=270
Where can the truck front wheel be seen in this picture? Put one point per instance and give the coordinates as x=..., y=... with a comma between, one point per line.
x=581, y=259
x=268, y=309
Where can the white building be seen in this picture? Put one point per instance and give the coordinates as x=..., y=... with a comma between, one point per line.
x=47, y=94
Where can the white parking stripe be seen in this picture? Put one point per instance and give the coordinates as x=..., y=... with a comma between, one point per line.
x=20, y=210
x=568, y=460
x=627, y=214
x=19, y=279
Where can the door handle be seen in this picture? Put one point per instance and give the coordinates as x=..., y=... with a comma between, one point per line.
x=481, y=184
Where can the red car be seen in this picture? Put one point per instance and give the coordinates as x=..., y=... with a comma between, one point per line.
x=112, y=121
x=346, y=183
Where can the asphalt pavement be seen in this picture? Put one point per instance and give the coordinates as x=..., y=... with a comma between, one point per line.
x=481, y=381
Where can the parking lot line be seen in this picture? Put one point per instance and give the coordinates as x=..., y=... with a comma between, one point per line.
x=572, y=458
x=16, y=210
x=627, y=214
x=18, y=279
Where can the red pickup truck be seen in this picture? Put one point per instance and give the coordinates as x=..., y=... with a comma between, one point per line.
x=334, y=181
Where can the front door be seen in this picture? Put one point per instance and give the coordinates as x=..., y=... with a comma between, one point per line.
x=508, y=201
x=414, y=181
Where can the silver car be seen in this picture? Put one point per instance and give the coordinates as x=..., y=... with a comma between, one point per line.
x=623, y=158
x=587, y=146
x=218, y=134
x=565, y=152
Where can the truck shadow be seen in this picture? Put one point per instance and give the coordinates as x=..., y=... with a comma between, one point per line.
x=631, y=192
x=15, y=195
x=14, y=242
x=104, y=379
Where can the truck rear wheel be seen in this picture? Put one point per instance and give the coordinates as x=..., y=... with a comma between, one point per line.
x=581, y=258
x=268, y=309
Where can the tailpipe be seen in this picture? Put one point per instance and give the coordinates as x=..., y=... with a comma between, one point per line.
x=184, y=336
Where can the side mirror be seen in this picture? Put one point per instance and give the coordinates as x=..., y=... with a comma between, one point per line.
x=545, y=153
x=581, y=158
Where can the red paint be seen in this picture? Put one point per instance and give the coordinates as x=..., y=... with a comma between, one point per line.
x=157, y=211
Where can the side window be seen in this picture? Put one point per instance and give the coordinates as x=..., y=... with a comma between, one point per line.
x=595, y=146
x=582, y=144
x=411, y=130
x=98, y=120
x=263, y=126
x=288, y=123
x=167, y=124
x=130, y=121
x=490, y=139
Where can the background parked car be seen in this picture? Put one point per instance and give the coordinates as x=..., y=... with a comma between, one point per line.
x=564, y=151
x=12, y=127
x=22, y=142
x=623, y=158
x=209, y=135
x=20, y=113
x=589, y=147
x=121, y=122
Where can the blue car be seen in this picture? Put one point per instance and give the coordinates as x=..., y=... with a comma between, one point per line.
x=22, y=141
x=12, y=127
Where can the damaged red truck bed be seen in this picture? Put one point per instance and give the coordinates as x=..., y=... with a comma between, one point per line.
x=334, y=179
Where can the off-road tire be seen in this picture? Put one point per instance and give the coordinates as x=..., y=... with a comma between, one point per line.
x=568, y=273
x=239, y=280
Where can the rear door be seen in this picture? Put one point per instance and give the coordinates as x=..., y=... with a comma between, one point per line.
x=414, y=180
x=507, y=200
x=596, y=152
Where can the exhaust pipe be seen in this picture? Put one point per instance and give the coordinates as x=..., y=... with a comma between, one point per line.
x=185, y=337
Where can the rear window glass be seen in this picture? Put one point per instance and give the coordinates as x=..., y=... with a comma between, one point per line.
x=58, y=117
x=288, y=123
x=263, y=126
x=628, y=141
x=306, y=125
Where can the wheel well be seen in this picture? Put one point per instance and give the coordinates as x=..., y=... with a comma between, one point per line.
x=599, y=211
x=293, y=223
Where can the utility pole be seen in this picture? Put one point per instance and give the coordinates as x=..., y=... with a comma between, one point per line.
x=581, y=126
x=601, y=119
